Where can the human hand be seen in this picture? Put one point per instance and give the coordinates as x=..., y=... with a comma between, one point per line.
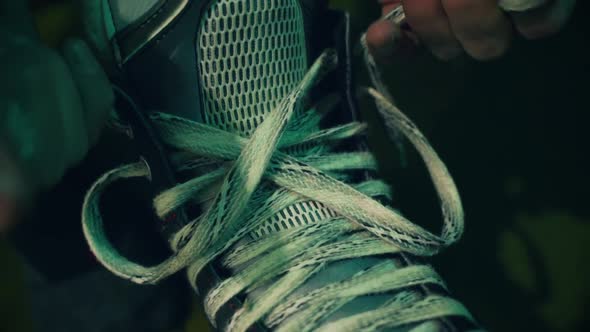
x=52, y=107
x=481, y=28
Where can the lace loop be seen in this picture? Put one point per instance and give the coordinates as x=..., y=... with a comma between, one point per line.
x=97, y=239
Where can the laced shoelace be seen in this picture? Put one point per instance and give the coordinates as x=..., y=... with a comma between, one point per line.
x=255, y=178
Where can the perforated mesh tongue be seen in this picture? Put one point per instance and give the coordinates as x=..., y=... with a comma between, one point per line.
x=251, y=55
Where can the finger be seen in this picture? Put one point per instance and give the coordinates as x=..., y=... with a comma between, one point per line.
x=382, y=38
x=41, y=115
x=69, y=113
x=95, y=29
x=480, y=26
x=429, y=21
x=544, y=21
x=93, y=85
x=15, y=16
x=30, y=116
x=390, y=36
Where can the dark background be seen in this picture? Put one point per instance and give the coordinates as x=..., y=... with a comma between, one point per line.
x=513, y=133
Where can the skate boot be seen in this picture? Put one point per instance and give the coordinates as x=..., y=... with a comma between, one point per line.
x=246, y=117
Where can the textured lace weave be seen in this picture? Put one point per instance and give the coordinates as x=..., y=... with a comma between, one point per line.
x=253, y=179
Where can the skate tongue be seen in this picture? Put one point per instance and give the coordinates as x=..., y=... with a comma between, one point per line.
x=250, y=54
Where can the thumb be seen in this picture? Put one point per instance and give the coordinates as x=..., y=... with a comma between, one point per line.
x=388, y=36
x=382, y=38
x=96, y=31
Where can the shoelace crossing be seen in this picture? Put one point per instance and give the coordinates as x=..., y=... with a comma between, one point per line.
x=256, y=178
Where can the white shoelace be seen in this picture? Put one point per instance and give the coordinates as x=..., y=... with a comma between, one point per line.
x=257, y=177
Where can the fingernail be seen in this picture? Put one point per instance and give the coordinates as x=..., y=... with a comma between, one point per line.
x=388, y=41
